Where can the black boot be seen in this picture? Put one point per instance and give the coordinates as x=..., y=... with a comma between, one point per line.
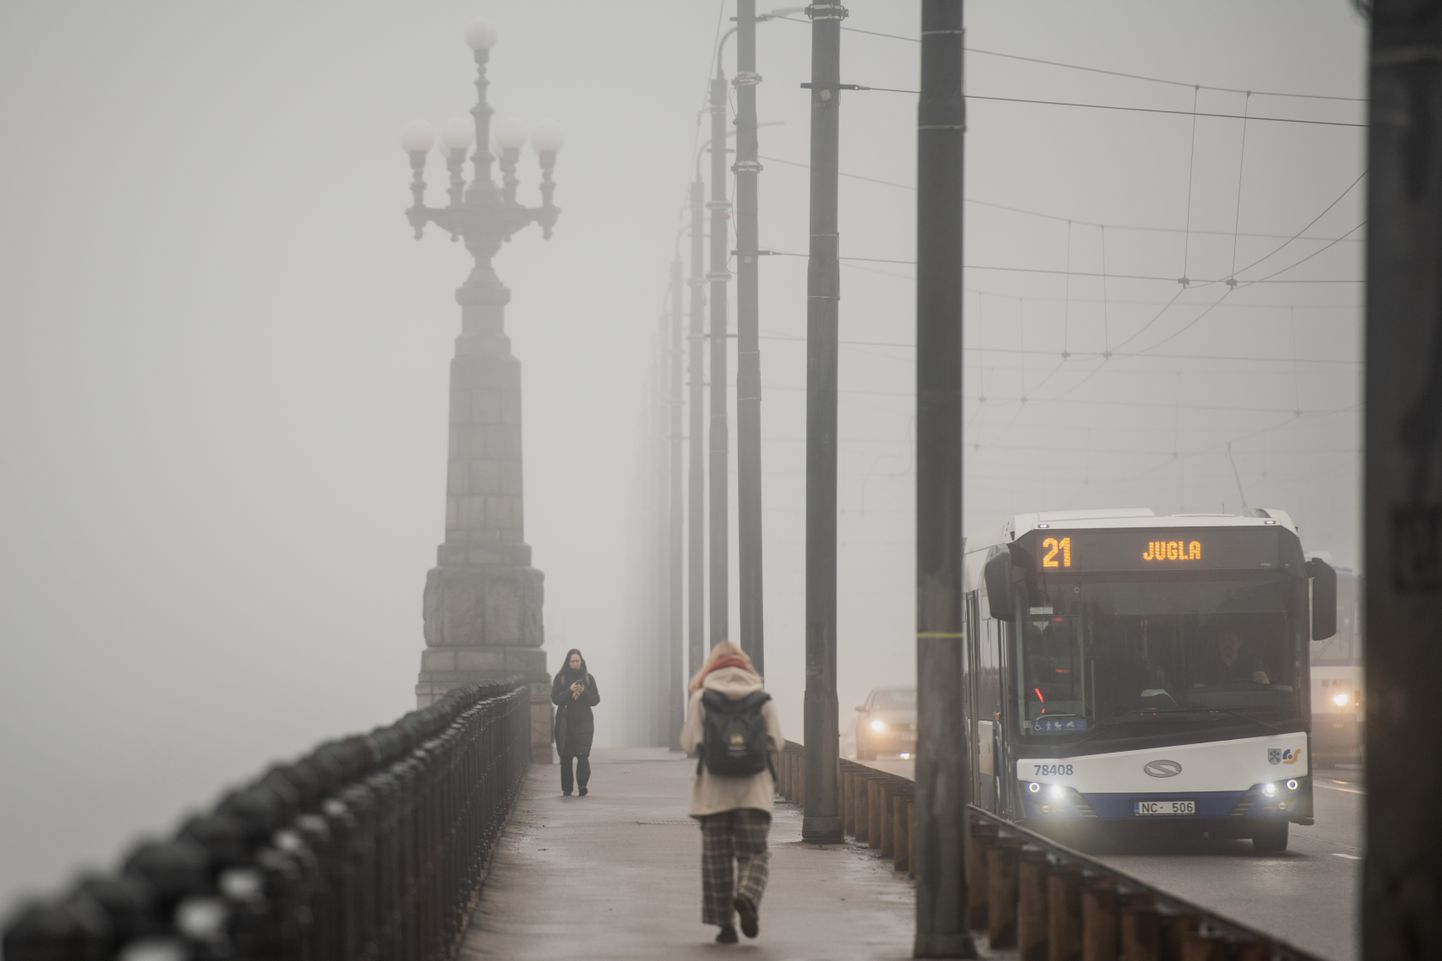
x=727, y=935
x=750, y=923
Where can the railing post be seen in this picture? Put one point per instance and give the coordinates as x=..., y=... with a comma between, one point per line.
x=1064, y=913
x=1199, y=948
x=1141, y=929
x=983, y=836
x=1001, y=892
x=874, y=808
x=1032, y=916
x=1099, y=920
x=888, y=819
x=1177, y=929
x=901, y=829
x=862, y=808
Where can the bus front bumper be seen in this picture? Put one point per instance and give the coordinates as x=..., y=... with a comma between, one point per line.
x=1221, y=813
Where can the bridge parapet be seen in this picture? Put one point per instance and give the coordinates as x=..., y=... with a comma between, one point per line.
x=370, y=847
x=1030, y=894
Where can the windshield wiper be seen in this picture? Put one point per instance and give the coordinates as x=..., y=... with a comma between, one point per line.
x=1270, y=729
x=1146, y=714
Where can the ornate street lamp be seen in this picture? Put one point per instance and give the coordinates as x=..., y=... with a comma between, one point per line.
x=483, y=598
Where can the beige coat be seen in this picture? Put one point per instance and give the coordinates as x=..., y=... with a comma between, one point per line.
x=712, y=794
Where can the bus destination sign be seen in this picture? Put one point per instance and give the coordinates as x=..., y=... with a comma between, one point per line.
x=1211, y=549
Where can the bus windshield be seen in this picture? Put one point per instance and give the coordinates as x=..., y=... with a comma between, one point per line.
x=1095, y=651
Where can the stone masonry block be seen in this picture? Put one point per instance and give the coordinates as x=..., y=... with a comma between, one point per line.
x=483, y=660
x=530, y=661
x=438, y=660
x=485, y=476
x=491, y=606
x=461, y=407
x=486, y=406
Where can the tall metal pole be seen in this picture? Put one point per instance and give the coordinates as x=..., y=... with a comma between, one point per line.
x=718, y=275
x=941, y=744
x=1403, y=482
x=822, y=821
x=660, y=714
x=696, y=495
x=675, y=639
x=748, y=351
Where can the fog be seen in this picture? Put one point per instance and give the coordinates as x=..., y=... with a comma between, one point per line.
x=223, y=375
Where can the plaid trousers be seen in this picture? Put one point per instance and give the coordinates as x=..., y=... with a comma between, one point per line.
x=734, y=860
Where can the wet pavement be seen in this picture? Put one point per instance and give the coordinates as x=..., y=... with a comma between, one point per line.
x=617, y=875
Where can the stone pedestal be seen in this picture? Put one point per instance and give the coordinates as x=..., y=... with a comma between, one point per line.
x=483, y=598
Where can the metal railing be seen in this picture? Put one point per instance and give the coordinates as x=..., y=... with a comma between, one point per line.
x=1030, y=894
x=370, y=848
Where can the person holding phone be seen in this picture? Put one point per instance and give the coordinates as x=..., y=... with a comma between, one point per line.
x=574, y=693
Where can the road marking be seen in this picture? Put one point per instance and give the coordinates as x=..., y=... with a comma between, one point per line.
x=1341, y=790
x=1348, y=857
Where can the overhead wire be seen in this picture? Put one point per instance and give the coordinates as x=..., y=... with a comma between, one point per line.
x=1098, y=70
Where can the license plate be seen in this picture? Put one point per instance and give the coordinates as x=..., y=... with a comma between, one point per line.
x=1165, y=808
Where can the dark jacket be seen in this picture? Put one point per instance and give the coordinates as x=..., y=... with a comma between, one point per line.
x=575, y=724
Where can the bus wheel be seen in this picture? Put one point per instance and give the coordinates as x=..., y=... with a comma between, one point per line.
x=1271, y=838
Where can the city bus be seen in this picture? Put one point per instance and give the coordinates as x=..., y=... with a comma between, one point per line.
x=1337, y=678
x=1127, y=668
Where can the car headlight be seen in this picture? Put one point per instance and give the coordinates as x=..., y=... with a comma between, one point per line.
x=1341, y=699
x=878, y=726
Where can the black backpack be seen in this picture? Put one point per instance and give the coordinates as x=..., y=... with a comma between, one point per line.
x=735, y=741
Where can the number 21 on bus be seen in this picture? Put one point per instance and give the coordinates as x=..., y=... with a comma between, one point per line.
x=1058, y=552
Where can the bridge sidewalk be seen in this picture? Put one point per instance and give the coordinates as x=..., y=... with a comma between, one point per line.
x=617, y=875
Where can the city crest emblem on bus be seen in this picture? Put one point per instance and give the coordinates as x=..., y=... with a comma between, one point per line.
x=1274, y=755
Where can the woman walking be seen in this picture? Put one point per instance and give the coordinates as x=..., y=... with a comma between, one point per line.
x=574, y=693
x=731, y=721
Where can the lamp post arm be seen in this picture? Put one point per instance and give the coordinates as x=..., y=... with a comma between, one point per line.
x=419, y=215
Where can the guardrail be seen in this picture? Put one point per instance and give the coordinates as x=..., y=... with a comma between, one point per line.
x=370, y=848
x=1029, y=894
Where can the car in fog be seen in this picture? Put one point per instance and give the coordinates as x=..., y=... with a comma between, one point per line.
x=886, y=723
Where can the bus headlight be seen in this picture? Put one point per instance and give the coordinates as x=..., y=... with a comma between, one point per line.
x=878, y=726
x=1056, y=792
x=1270, y=790
x=1292, y=784
x=1341, y=699
x=1034, y=787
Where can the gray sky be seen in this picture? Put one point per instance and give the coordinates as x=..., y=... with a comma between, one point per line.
x=223, y=385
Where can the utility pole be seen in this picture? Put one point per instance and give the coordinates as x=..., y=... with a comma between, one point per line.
x=941, y=744
x=821, y=823
x=718, y=275
x=676, y=664
x=656, y=509
x=748, y=349
x=696, y=494
x=1403, y=481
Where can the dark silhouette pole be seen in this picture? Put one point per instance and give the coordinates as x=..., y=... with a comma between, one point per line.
x=748, y=352
x=941, y=776
x=822, y=822
x=719, y=275
x=696, y=494
x=675, y=638
x=1403, y=482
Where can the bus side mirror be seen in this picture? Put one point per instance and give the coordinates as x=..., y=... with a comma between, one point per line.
x=997, y=575
x=1324, y=599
